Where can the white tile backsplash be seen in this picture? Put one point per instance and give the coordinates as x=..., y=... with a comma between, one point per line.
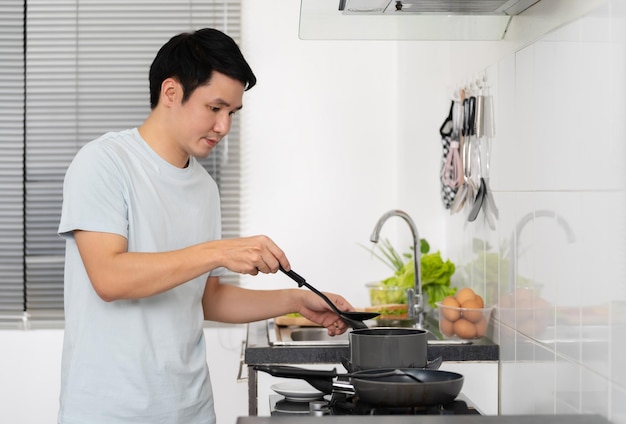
x=559, y=180
x=618, y=404
x=567, y=387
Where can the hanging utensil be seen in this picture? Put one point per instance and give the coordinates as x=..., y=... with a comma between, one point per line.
x=480, y=193
x=353, y=319
x=489, y=131
x=477, y=133
x=451, y=165
x=472, y=185
x=461, y=195
x=451, y=169
x=485, y=130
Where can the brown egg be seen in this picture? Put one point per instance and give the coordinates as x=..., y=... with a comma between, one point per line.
x=471, y=310
x=450, y=301
x=446, y=327
x=481, y=327
x=448, y=308
x=465, y=294
x=465, y=329
x=480, y=301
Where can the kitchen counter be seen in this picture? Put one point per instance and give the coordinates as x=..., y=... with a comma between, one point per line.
x=258, y=351
x=442, y=419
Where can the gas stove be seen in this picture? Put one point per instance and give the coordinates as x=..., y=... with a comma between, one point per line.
x=347, y=404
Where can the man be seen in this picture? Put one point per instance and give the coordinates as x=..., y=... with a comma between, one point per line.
x=144, y=253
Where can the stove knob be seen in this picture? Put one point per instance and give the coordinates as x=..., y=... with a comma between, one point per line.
x=318, y=408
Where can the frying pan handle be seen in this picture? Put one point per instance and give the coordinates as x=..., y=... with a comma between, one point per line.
x=295, y=372
x=320, y=379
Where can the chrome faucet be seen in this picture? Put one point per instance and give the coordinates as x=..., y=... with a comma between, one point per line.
x=416, y=300
x=514, y=243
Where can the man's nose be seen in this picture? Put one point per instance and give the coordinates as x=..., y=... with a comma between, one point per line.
x=222, y=125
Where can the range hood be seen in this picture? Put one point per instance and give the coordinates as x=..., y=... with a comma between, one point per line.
x=453, y=20
x=436, y=7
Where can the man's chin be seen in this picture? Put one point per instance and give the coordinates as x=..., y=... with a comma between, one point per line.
x=202, y=155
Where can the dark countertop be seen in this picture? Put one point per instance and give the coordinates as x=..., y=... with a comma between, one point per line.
x=441, y=419
x=259, y=351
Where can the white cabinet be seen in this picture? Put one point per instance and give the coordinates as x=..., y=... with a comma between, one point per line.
x=480, y=383
x=223, y=344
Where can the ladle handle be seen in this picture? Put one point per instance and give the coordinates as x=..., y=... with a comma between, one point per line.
x=302, y=282
x=294, y=276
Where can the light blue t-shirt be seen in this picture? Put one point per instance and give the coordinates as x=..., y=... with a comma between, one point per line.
x=135, y=361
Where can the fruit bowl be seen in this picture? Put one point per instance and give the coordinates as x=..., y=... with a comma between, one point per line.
x=463, y=323
x=463, y=316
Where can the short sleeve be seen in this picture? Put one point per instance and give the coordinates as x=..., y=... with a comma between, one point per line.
x=94, y=193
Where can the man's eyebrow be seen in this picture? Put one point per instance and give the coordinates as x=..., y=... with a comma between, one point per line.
x=224, y=103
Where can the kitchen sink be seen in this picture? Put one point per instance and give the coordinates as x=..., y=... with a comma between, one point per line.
x=318, y=336
x=303, y=336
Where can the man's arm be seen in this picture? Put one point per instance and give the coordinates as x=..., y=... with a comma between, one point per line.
x=227, y=303
x=118, y=274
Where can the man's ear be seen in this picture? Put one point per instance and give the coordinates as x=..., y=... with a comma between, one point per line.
x=171, y=92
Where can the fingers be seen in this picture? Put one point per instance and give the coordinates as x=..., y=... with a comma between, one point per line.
x=270, y=256
x=341, y=303
x=337, y=327
x=254, y=255
x=314, y=308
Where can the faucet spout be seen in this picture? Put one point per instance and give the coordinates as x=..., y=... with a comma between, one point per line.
x=514, y=243
x=417, y=311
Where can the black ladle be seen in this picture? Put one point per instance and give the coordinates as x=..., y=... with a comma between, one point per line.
x=353, y=319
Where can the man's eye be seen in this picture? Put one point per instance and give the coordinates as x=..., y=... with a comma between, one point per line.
x=214, y=109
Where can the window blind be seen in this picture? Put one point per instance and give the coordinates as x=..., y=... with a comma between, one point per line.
x=86, y=73
x=11, y=159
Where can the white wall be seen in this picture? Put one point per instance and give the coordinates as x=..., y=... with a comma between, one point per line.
x=330, y=146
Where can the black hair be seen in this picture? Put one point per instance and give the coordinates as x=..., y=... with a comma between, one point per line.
x=192, y=57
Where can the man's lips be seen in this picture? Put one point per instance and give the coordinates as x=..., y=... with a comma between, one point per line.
x=211, y=141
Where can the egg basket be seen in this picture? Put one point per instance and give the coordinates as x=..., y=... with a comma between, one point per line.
x=463, y=323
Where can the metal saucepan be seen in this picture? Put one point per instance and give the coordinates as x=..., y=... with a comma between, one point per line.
x=381, y=387
x=388, y=347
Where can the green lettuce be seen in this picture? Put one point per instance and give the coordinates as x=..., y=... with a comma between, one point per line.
x=436, y=273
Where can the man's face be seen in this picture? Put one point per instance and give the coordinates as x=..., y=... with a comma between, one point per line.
x=206, y=117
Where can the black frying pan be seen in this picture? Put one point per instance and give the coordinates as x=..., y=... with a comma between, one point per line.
x=409, y=387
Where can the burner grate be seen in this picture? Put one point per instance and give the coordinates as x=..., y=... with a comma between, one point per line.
x=341, y=404
x=344, y=404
